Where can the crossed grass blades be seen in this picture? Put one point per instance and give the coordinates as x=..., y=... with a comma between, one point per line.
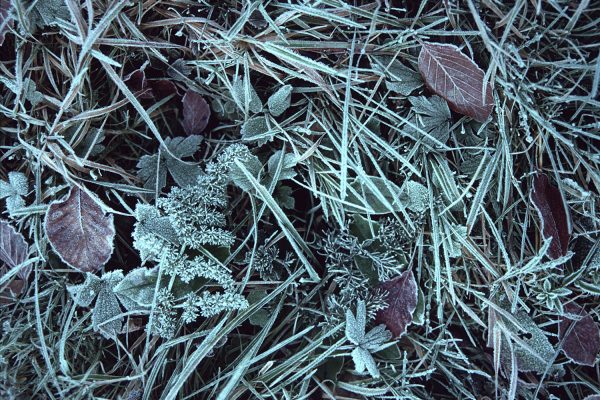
x=285, y=200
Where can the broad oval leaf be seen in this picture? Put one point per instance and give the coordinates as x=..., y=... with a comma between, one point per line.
x=79, y=231
x=13, y=249
x=402, y=302
x=280, y=100
x=196, y=113
x=549, y=204
x=455, y=77
x=582, y=343
x=374, y=195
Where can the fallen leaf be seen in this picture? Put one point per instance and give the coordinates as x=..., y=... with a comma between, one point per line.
x=13, y=249
x=79, y=231
x=136, y=81
x=162, y=88
x=582, y=343
x=455, y=77
x=402, y=302
x=550, y=207
x=196, y=113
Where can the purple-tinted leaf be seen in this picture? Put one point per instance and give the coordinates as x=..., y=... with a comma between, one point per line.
x=162, y=88
x=79, y=231
x=13, y=249
x=137, y=83
x=196, y=113
x=12, y=290
x=582, y=343
x=455, y=77
x=550, y=207
x=402, y=301
x=6, y=19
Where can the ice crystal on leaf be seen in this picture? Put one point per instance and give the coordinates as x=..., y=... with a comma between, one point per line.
x=365, y=343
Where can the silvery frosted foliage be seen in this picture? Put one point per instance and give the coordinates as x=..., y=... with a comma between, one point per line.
x=153, y=233
x=365, y=343
x=243, y=94
x=280, y=100
x=196, y=213
x=414, y=196
x=107, y=308
x=432, y=115
x=178, y=236
x=152, y=169
x=13, y=191
x=225, y=169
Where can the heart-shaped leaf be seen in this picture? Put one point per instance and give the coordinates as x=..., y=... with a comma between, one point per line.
x=550, y=207
x=13, y=249
x=582, y=343
x=79, y=231
x=196, y=113
x=402, y=302
x=455, y=77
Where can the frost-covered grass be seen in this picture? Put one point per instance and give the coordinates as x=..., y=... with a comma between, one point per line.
x=337, y=230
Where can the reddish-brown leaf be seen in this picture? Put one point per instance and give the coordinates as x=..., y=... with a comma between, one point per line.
x=162, y=88
x=455, y=77
x=13, y=249
x=79, y=231
x=136, y=81
x=402, y=301
x=196, y=113
x=582, y=344
x=552, y=212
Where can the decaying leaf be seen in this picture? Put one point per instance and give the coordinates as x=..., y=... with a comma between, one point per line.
x=582, y=342
x=13, y=249
x=196, y=113
x=549, y=204
x=402, y=302
x=455, y=77
x=79, y=231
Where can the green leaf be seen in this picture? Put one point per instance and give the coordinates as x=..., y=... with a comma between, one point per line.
x=378, y=195
x=414, y=196
x=432, y=115
x=287, y=161
x=136, y=290
x=152, y=169
x=253, y=166
x=244, y=94
x=399, y=78
x=13, y=190
x=280, y=101
x=257, y=129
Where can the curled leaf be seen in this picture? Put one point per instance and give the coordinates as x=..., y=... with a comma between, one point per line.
x=402, y=302
x=79, y=231
x=549, y=204
x=455, y=77
x=196, y=113
x=581, y=342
